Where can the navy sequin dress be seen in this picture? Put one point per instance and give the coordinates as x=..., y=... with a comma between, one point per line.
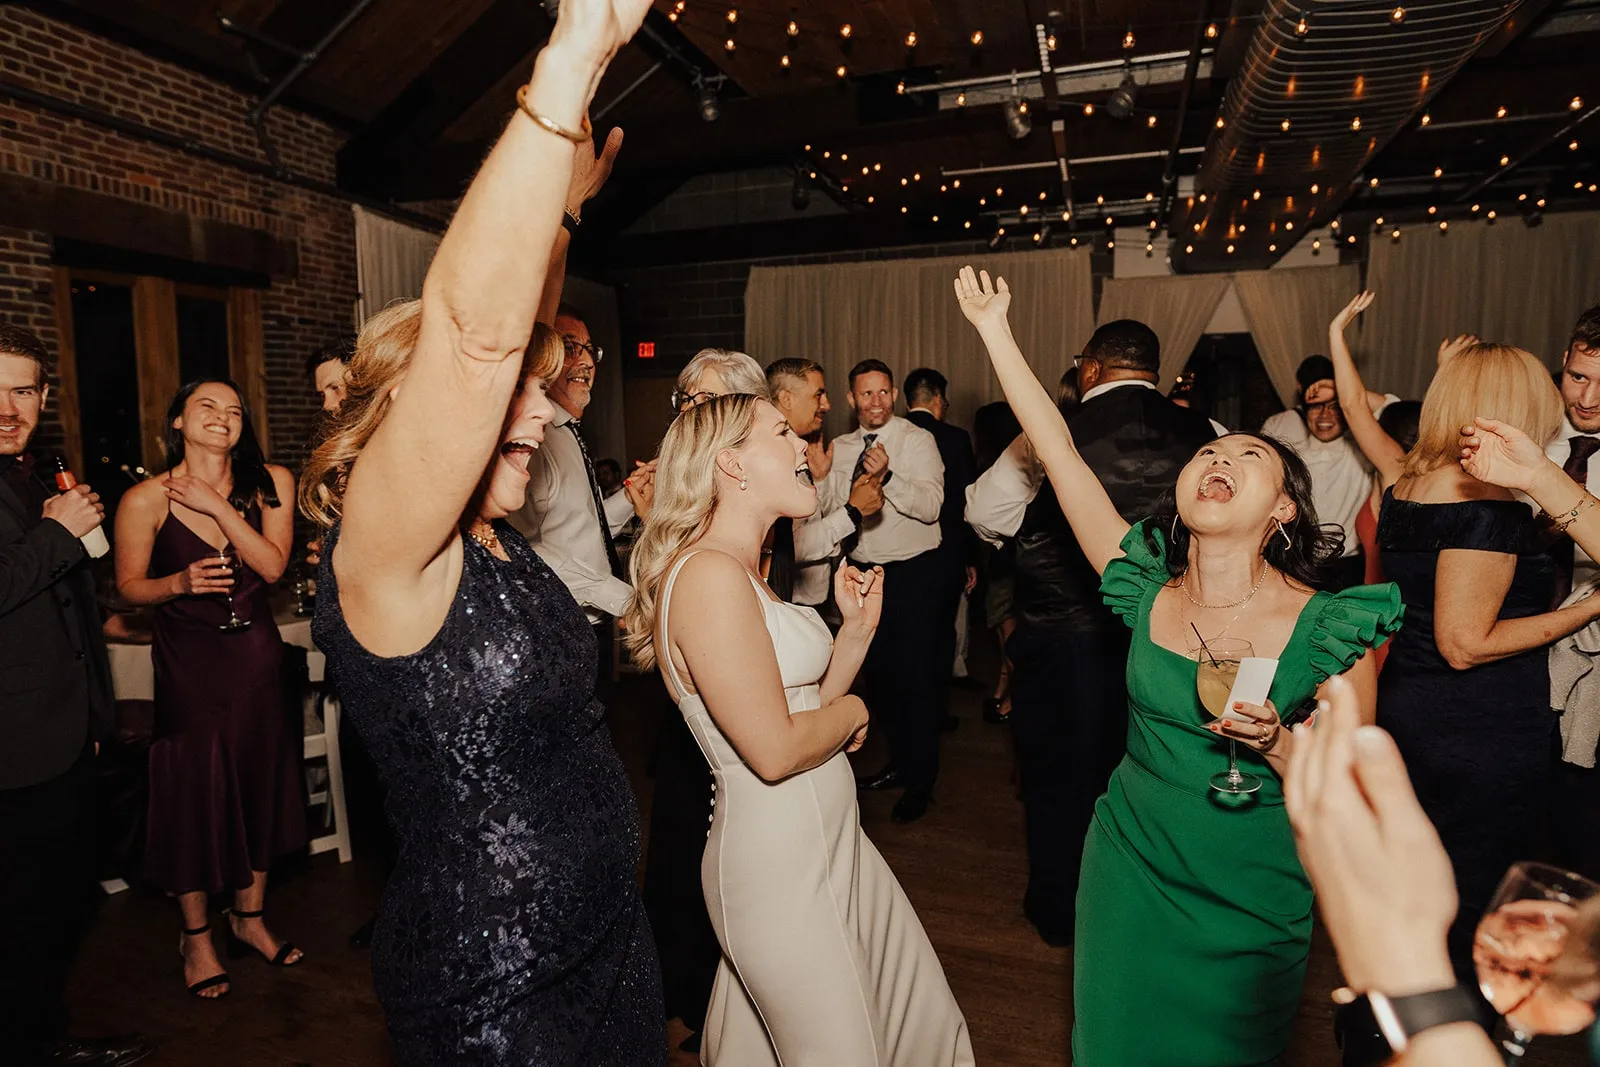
x=511, y=931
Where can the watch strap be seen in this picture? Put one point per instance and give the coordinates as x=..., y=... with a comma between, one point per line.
x=1402, y=1018
x=571, y=222
x=855, y=515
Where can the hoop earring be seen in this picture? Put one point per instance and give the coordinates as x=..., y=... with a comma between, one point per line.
x=1174, y=536
x=1283, y=533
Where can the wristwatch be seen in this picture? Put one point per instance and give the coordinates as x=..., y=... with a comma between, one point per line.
x=571, y=222
x=855, y=515
x=1402, y=1018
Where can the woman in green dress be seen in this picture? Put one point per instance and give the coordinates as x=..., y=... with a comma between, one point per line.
x=1193, y=912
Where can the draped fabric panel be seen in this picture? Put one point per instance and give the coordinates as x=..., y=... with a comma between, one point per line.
x=1504, y=282
x=904, y=312
x=391, y=260
x=1176, y=308
x=1288, y=311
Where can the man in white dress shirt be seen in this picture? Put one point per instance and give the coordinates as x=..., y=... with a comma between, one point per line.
x=1577, y=807
x=565, y=519
x=800, y=391
x=1341, y=477
x=902, y=537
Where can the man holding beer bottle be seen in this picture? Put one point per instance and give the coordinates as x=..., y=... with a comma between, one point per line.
x=55, y=709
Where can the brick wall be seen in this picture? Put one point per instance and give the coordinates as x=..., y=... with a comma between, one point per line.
x=72, y=65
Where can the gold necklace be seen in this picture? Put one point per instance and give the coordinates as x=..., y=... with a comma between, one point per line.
x=489, y=540
x=1240, y=604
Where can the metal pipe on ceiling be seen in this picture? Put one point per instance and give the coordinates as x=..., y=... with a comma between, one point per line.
x=1169, y=173
x=258, y=114
x=1538, y=147
x=1076, y=161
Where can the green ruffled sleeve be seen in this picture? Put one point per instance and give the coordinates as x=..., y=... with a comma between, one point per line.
x=1129, y=580
x=1350, y=623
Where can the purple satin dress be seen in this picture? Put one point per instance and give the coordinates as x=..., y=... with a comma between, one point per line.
x=227, y=795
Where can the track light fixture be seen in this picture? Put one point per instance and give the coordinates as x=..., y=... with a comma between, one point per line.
x=707, y=89
x=1119, y=105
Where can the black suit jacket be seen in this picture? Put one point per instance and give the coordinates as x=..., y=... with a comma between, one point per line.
x=960, y=471
x=1136, y=441
x=55, y=680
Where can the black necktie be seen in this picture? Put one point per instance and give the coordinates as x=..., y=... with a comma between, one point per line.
x=1577, y=468
x=599, y=502
x=848, y=545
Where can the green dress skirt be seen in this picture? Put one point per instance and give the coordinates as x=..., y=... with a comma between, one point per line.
x=1194, y=914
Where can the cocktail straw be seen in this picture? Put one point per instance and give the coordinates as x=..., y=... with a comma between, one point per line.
x=1203, y=647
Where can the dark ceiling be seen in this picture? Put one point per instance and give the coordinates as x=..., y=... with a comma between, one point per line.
x=918, y=89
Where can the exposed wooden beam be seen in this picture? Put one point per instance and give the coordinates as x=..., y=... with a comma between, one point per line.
x=247, y=360
x=168, y=38
x=68, y=409
x=405, y=131
x=155, y=332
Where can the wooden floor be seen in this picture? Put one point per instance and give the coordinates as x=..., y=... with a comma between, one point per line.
x=963, y=867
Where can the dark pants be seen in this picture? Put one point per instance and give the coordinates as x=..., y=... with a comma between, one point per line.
x=953, y=564
x=902, y=687
x=1575, y=817
x=1069, y=717
x=46, y=889
x=680, y=811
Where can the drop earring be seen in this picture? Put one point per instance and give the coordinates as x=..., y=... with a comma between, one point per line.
x=743, y=485
x=1283, y=533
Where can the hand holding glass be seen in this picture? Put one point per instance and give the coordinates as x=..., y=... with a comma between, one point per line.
x=1219, y=667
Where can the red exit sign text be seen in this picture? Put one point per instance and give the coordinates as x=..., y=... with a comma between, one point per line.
x=647, y=350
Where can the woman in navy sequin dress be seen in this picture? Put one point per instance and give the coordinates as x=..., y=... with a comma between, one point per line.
x=511, y=932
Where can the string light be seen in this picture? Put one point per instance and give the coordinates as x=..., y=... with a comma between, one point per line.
x=1372, y=183
x=1272, y=248
x=900, y=88
x=1572, y=146
x=1149, y=248
x=1230, y=250
x=1476, y=208
x=944, y=188
x=1211, y=31
x=961, y=100
x=1378, y=222
x=1351, y=239
x=784, y=60
x=1355, y=123
x=1398, y=15
x=1289, y=225
x=1127, y=40
x=869, y=199
x=877, y=167
x=840, y=71
x=936, y=218
x=1202, y=198
x=916, y=176
x=846, y=30
x=1110, y=245
x=1088, y=109
x=1315, y=188
x=1500, y=112
x=794, y=28
x=1539, y=202
x=1041, y=195
x=1302, y=27
x=672, y=16
x=1255, y=194
x=825, y=153
x=904, y=182
x=865, y=171
x=1444, y=225
x=1024, y=209
x=1150, y=122
x=1522, y=198
x=983, y=201
x=1148, y=197
x=1491, y=215
x=733, y=15
x=1050, y=42
x=1221, y=122
x=1394, y=234
x=956, y=184
x=1153, y=224
x=967, y=225
x=1038, y=237
x=904, y=209
x=1505, y=161
x=1189, y=249
x=1284, y=125
x=1100, y=200
x=1316, y=246
x=911, y=39
x=1438, y=172
x=976, y=38
x=1575, y=104
x=844, y=157
x=728, y=44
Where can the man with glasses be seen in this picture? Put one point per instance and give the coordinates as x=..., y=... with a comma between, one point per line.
x=1341, y=477
x=567, y=519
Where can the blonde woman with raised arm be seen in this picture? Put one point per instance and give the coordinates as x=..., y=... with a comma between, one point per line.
x=823, y=960
x=511, y=931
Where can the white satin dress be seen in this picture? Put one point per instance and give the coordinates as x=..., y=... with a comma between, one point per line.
x=824, y=962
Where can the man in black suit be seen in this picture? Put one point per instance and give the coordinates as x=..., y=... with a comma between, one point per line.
x=927, y=403
x=56, y=710
x=1068, y=691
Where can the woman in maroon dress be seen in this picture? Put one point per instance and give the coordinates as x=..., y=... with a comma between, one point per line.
x=202, y=546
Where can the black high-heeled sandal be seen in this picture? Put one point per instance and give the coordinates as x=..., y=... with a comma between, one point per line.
x=238, y=948
x=205, y=983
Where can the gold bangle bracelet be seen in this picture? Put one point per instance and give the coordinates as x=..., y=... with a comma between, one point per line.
x=584, y=134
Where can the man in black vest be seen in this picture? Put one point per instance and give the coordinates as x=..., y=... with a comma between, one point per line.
x=926, y=404
x=56, y=710
x=1068, y=692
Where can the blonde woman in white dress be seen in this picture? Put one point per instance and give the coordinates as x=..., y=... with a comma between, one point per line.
x=824, y=962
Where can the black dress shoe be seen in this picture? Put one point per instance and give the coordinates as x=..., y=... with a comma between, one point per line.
x=912, y=805
x=103, y=1052
x=950, y=723
x=362, y=938
x=991, y=710
x=888, y=778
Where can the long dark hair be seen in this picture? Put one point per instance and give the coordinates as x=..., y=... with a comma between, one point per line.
x=1311, y=547
x=252, y=482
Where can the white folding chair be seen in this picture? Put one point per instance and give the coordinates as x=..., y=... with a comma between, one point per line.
x=322, y=742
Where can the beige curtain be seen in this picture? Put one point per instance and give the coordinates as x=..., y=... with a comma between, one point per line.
x=1177, y=309
x=1503, y=282
x=391, y=260
x=904, y=312
x=1288, y=311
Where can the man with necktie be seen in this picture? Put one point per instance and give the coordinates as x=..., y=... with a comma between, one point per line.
x=567, y=519
x=902, y=679
x=1577, y=801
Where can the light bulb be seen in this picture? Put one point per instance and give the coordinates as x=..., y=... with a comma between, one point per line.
x=1444, y=225
x=784, y=60
x=1150, y=121
x=1438, y=172
x=1127, y=40
x=976, y=38
x=1302, y=27
x=1088, y=109
x=1575, y=104
x=728, y=44
x=733, y=15
x=1500, y=112
x=794, y=28
x=1355, y=123
x=846, y=30
x=1426, y=118
x=1211, y=31
x=1397, y=15
x=911, y=39
x=840, y=70
x=1284, y=125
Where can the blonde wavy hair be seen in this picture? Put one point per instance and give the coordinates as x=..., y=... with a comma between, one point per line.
x=383, y=353
x=1493, y=380
x=685, y=503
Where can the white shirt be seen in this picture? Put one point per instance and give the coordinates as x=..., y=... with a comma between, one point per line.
x=1584, y=568
x=1341, y=477
x=908, y=524
x=998, y=500
x=817, y=539
x=560, y=522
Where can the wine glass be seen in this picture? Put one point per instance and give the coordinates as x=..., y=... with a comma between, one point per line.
x=1219, y=666
x=229, y=557
x=1531, y=969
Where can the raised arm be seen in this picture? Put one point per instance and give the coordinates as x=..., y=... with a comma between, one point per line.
x=1094, y=520
x=718, y=626
x=1381, y=450
x=412, y=482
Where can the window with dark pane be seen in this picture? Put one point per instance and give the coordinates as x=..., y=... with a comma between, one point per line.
x=202, y=337
x=108, y=387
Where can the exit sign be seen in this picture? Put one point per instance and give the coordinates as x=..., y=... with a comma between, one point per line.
x=647, y=350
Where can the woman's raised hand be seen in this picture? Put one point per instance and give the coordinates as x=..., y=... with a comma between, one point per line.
x=1500, y=454
x=984, y=304
x=1347, y=315
x=598, y=27
x=859, y=595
